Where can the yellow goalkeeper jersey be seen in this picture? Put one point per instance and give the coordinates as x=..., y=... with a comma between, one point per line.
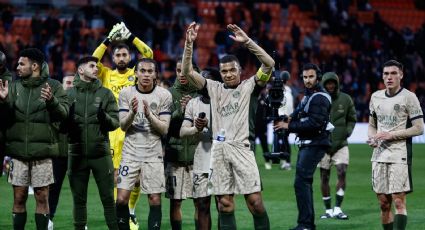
x=111, y=78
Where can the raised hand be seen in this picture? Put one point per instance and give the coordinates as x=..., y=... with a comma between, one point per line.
x=46, y=92
x=134, y=105
x=115, y=32
x=192, y=32
x=240, y=35
x=4, y=89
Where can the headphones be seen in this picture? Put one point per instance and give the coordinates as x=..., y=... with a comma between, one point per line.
x=314, y=67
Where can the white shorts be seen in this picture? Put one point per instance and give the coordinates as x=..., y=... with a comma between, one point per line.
x=389, y=178
x=342, y=156
x=200, y=185
x=37, y=173
x=233, y=170
x=179, y=181
x=150, y=175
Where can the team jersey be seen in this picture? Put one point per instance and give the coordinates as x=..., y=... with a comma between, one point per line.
x=201, y=161
x=142, y=142
x=393, y=113
x=111, y=78
x=231, y=109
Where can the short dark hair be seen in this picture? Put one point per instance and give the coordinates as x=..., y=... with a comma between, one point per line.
x=34, y=55
x=211, y=73
x=120, y=45
x=393, y=62
x=314, y=67
x=229, y=58
x=148, y=60
x=86, y=59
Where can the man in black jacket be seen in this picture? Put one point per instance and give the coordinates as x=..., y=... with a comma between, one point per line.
x=310, y=121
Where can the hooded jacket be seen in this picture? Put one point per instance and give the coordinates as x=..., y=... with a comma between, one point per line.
x=343, y=114
x=93, y=113
x=32, y=130
x=179, y=149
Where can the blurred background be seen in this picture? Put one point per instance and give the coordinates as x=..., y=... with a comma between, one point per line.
x=350, y=37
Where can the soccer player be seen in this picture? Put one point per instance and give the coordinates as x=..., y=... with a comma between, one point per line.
x=145, y=118
x=32, y=107
x=310, y=121
x=343, y=117
x=395, y=117
x=93, y=114
x=179, y=151
x=60, y=163
x=197, y=123
x=115, y=80
x=233, y=168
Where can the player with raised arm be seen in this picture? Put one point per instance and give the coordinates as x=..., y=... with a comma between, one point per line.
x=233, y=167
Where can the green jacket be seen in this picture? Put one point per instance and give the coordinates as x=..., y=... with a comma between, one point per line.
x=5, y=76
x=179, y=149
x=33, y=124
x=343, y=115
x=93, y=113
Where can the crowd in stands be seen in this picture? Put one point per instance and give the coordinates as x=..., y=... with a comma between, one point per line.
x=161, y=24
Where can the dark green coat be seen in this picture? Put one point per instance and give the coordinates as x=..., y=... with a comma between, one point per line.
x=179, y=149
x=32, y=130
x=343, y=115
x=87, y=130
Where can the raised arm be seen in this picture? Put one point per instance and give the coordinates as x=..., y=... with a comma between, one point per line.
x=267, y=62
x=192, y=76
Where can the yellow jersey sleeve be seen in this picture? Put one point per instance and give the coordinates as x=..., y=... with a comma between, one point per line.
x=103, y=70
x=143, y=49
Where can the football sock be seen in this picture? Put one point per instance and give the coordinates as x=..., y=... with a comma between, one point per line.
x=155, y=216
x=41, y=221
x=134, y=198
x=196, y=224
x=388, y=226
x=327, y=201
x=227, y=221
x=19, y=220
x=400, y=221
x=261, y=221
x=176, y=224
x=123, y=216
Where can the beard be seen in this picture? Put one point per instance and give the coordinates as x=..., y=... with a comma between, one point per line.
x=122, y=66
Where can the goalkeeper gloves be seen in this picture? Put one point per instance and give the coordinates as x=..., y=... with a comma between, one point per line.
x=115, y=32
x=125, y=32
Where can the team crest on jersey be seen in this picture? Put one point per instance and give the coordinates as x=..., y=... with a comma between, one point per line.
x=236, y=94
x=130, y=78
x=153, y=106
x=397, y=107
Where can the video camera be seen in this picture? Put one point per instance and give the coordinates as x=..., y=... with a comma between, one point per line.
x=280, y=149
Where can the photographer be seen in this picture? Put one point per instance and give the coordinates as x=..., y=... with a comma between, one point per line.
x=310, y=121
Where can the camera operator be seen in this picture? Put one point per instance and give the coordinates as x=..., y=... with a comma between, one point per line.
x=310, y=121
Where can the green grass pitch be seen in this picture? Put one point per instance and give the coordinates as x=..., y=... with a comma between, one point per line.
x=360, y=202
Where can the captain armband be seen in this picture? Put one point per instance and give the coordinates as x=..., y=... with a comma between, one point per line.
x=263, y=76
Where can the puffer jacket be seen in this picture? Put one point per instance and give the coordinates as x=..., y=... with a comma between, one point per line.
x=343, y=115
x=32, y=130
x=178, y=149
x=93, y=113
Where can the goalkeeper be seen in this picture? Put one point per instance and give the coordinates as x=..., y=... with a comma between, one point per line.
x=115, y=80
